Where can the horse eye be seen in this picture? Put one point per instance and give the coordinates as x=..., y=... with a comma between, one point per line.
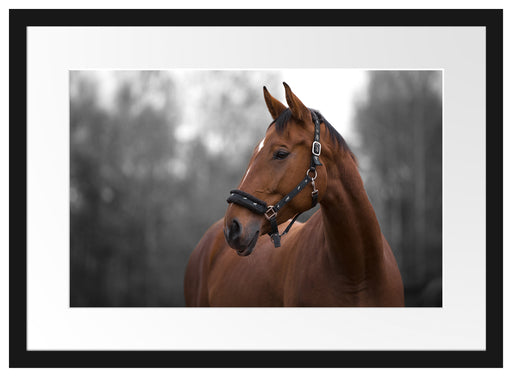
x=281, y=154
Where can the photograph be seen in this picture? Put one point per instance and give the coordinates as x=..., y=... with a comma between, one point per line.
x=256, y=188
x=155, y=154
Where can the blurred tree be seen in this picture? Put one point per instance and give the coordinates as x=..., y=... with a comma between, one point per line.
x=140, y=198
x=400, y=127
x=120, y=187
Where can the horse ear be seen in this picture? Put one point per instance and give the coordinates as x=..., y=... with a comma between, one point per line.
x=274, y=106
x=299, y=111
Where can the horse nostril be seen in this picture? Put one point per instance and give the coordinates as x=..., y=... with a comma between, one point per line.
x=235, y=230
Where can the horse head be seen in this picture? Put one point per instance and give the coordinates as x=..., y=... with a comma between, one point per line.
x=284, y=178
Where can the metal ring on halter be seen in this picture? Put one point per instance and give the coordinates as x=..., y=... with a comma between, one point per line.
x=312, y=178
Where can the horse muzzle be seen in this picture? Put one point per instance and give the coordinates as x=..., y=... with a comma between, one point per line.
x=240, y=238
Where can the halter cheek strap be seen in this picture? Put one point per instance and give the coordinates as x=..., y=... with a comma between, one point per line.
x=260, y=207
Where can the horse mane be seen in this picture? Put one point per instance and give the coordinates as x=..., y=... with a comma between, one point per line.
x=282, y=121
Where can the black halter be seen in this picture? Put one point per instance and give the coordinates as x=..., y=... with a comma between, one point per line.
x=260, y=207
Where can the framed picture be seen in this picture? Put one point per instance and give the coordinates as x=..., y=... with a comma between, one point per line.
x=129, y=127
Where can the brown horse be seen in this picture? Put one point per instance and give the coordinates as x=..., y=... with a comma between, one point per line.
x=339, y=257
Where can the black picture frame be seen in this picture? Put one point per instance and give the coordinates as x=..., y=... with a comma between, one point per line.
x=20, y=20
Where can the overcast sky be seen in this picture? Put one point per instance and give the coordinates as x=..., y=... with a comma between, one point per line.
x=331, y=91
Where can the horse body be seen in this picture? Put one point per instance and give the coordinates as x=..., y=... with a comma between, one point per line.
x=302, y=272
x=339, y=257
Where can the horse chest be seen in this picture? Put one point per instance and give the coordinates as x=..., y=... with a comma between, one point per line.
x=235, y=281
x=256, y=281
x=320, y=295
x=315, y=284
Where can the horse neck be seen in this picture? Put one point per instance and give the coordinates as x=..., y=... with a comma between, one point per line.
x=352, y=232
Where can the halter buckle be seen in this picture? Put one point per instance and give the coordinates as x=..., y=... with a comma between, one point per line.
x=316, y=148
x=270, y=213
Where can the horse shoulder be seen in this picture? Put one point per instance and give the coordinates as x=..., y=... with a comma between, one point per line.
x=196, y=274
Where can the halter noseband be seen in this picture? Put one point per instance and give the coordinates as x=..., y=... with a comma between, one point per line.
x=260, y=207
